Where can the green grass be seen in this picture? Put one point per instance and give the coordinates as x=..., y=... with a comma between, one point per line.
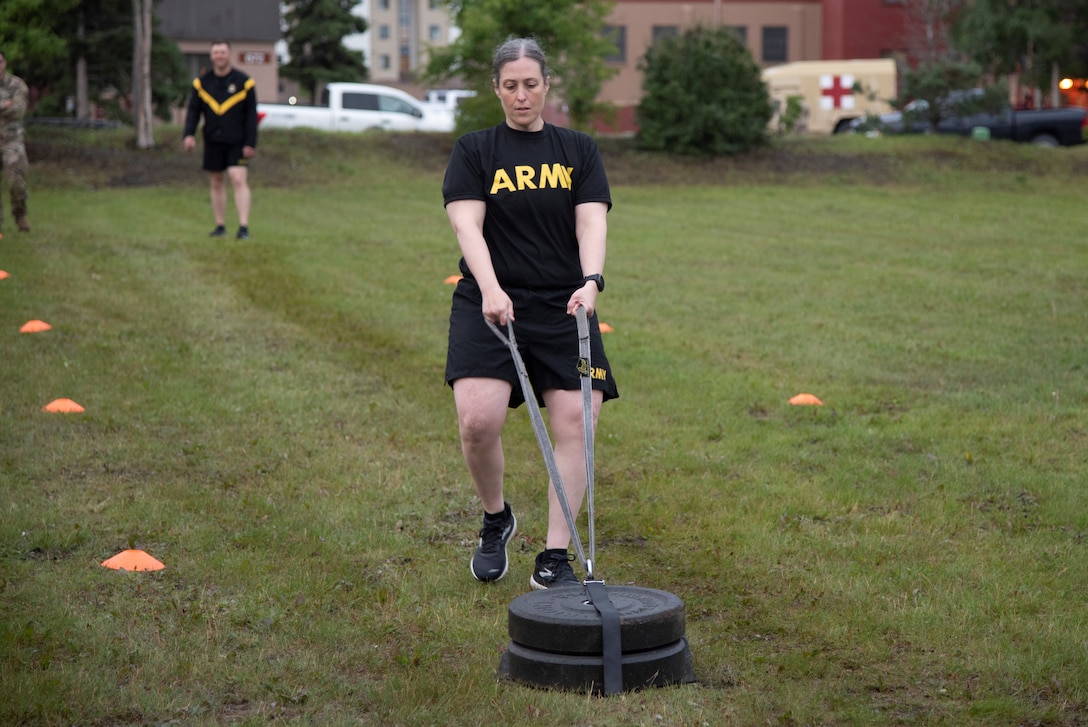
x=269, y=419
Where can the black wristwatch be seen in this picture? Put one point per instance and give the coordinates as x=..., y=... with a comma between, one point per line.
x=596, y=278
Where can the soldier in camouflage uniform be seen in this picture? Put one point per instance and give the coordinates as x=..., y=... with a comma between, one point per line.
x=13, y=101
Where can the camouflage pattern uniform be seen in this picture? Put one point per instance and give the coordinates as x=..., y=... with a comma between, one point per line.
x=12, y=149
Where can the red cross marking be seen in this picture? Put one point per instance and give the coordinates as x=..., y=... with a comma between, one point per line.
x=836, y=92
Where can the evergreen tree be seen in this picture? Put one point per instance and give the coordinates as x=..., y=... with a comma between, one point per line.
x=703, y=95
x=315, y=34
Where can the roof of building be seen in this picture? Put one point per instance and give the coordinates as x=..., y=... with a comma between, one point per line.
x=212, y=19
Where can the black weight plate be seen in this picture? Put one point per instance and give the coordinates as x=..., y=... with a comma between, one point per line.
x=562, y=621
x=669, y=664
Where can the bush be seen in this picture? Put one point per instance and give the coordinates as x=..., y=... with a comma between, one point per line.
x=703, y=95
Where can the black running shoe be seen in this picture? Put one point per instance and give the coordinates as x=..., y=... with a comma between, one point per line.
x=243, y=233
x=553, y=570
x=489, y=562
x=219, y=231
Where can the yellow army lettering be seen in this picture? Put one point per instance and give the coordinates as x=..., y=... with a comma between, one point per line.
x=551, y=175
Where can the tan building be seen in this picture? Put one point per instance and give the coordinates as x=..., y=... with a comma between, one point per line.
x=252, y=27
x=775, y=32
x=398, y=37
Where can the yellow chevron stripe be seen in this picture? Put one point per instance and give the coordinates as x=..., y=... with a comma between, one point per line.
x=221, y=108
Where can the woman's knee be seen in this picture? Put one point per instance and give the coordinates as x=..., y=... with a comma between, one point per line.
x=478, y=428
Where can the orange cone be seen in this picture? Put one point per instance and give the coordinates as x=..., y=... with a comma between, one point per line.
x=452, y=280
x=605, y=328
x=35, y=327
x=3, y=273
x=63, y=406
x=806, y=400
x=133, y=560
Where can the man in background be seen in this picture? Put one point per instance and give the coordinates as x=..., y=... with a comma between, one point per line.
x=13, y=102
x=227, y=100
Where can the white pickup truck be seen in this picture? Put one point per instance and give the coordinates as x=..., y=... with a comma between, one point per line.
x=359, y=107
x=448, y=98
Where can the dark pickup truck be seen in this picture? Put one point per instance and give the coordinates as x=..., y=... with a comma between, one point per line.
x=1045, y=127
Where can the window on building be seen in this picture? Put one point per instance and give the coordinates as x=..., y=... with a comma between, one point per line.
x=775, y=43
x=383, y=4
x=618, y=35
x=665, y=31
x=433, y=5
x=434, y=33
x=385, y=62
x=741, y=31
x=383, y=32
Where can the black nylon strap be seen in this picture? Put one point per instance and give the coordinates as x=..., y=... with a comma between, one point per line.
x=611, y=648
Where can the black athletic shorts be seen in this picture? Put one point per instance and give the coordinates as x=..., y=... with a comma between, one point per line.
x=547, y=340
x=218, y=157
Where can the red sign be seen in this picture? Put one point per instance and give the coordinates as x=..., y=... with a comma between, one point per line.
x=837, y=91
x=255, y=57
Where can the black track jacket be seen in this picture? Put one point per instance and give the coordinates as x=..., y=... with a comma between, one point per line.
x=229, y=107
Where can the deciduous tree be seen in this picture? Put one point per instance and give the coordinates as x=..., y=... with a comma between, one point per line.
x=1034, y=38
x=143, y=12
x=928, y=29
x=33, y=41
x=571, y=32
x=100, y=38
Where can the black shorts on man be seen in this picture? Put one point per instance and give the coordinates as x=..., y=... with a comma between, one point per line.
x=218, y=156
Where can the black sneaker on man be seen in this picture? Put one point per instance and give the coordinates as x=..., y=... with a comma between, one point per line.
x=553, y=570
x=243, y=233
x=219, y=231
x=489, y=562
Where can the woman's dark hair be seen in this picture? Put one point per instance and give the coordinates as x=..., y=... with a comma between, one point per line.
x=515, y=48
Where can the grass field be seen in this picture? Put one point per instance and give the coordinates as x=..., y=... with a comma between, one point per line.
x=268, y=418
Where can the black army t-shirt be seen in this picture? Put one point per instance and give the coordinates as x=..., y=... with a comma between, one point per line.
x=531, y=182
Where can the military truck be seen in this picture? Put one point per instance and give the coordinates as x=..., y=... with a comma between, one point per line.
x=830, y=94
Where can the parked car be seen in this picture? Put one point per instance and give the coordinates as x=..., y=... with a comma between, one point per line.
x=359, y=107
x=1045, y=127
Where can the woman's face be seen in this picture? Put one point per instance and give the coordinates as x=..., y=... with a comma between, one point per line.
x=522, y=89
